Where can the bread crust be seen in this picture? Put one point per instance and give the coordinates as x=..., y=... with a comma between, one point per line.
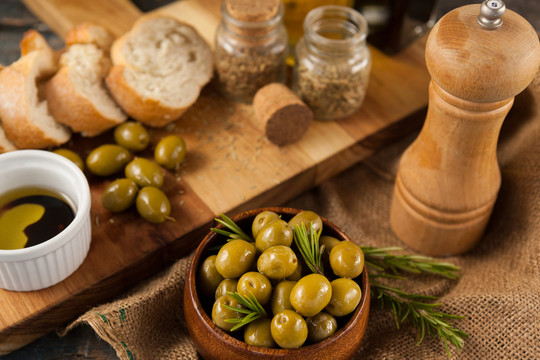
x=150, y=110
x=69, y=107
x=17, y=93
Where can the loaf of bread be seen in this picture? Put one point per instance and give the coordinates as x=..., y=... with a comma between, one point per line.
x=25, y=117
x=5, y=144
x=159, y=69
x=76, y=95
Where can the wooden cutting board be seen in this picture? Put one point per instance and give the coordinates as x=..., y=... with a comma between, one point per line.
x=230, y=167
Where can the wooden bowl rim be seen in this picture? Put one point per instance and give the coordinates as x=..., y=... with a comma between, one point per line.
x=226, y=337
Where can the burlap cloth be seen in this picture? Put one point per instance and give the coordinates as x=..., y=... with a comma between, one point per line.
x=498, y=292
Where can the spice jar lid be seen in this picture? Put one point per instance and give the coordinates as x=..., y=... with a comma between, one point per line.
x=252, y=10
x=482, y=63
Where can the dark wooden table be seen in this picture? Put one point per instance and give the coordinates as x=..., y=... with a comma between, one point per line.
x=82, y=342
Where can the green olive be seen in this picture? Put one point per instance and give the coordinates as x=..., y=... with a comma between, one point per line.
x=321, y=326
x=281, y=297
x=258, y=333
x=261, y=220
x=144, y=172
x=119, y=195
x=220, y=312
x=289, y=329
x=107, y=159
x=71, y=155
x=277, y=262
x=132, y=135
x=297, y=274
x=208, y=278
x=225, y=286
x=311, y=294
x=170, y=151
x=346, y=296
x=257, y=284
x=347, y=259
x=276, y=232
x=235, y=258
x=153, y=205
x=329, y=242
x=311, y=220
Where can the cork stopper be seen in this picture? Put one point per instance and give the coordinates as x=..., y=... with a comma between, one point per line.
x=252, y=10
x=280, y=114
x=482, y=63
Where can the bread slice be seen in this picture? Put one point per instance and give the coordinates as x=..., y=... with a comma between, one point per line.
x=76, y=95
x=25, y=117
x=159, y=69
x=5, y=144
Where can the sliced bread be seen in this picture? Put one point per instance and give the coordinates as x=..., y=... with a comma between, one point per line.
x=25, y=117
x=159, y=69
x=5, y=144
x=76, y=95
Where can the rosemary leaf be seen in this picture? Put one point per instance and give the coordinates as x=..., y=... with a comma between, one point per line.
x=253, y=310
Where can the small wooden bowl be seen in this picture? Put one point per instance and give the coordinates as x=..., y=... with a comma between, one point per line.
x=214, y=343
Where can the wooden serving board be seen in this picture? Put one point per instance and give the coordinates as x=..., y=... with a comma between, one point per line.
x=230, y=167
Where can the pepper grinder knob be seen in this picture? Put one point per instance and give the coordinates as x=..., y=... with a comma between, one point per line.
x=448, y=178
x=491, y=12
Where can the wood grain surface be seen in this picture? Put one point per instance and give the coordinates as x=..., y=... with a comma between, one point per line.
x=230, y=167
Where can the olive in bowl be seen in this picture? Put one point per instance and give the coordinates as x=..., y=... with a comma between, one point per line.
x=212, y=342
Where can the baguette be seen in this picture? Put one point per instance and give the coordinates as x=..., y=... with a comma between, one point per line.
x=5, y=144
x=25, y=118
x=76, y=95
x=159, y=69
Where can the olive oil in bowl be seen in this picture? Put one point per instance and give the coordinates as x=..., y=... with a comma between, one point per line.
x=31, y=215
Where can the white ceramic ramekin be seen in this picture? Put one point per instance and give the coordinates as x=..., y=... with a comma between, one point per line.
x=52, y=261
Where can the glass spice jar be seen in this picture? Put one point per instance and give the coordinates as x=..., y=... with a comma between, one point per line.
x=250, y=48
x=333, y=62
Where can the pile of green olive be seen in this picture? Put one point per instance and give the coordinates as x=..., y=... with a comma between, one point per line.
x=302, y=307
x=143, y=177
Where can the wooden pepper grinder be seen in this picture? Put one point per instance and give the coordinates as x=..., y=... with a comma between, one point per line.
x=448, y=179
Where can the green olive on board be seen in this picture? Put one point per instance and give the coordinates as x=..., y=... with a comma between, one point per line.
x=71, y=155
x=289, y=329
x=119, y=195
x=153, y=205
x=107, y=159
x=347, y=259
x=311, y=294
x=258, y=333
x=144, y=172
x=170, y=151
x=132, y=135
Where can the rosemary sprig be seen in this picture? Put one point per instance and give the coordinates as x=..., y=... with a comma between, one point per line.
x=235, y=231
x=253, y=310
x=380, y=259
x=308, y=244
x=424, y=316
